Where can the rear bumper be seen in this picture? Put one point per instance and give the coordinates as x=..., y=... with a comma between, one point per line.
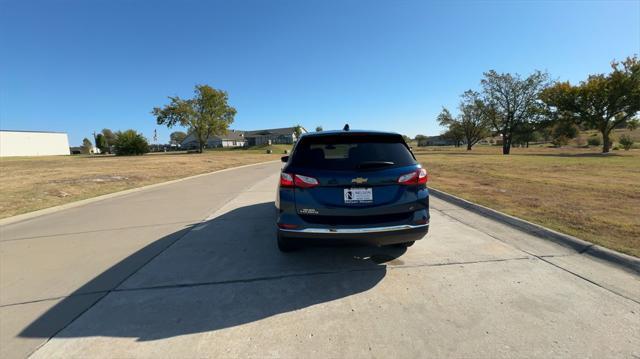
x=383, y=235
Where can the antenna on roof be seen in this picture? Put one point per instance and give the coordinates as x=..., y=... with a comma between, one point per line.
x=346, y=127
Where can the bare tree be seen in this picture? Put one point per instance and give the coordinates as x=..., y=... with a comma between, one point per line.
x=513, y=102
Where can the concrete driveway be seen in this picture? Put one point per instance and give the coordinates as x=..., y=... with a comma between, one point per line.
x=191, y=270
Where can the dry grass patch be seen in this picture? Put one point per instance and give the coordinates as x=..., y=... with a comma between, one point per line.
x=31, y=183
x=576, y=191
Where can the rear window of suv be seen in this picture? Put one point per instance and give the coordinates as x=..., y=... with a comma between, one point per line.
x=352, y=152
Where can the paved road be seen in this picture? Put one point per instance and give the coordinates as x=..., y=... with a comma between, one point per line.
x=191, y=270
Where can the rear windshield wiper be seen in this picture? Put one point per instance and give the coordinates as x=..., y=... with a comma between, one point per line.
x=374, y=164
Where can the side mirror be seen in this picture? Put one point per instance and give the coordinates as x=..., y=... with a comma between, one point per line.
x=284, y=159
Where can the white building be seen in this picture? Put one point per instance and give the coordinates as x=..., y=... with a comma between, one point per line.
x=33, y=143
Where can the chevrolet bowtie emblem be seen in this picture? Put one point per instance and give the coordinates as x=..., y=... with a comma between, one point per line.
x=359, y=180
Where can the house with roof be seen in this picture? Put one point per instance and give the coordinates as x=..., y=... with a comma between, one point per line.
x=237, y=138
x=435, y=141
x=233, y=138
x=283, y=136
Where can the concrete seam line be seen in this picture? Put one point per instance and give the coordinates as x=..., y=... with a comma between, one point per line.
x=581, y=246
x=309, y=274
x=109, y=291
x=82, y=202
x=542, y=258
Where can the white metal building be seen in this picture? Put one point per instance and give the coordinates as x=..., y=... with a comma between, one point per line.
x=33, y=143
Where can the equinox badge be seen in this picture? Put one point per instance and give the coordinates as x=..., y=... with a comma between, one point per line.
x=359, y=180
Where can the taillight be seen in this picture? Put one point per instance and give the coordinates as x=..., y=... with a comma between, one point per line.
x=418, y=176
x=423, y=177
x=286, y=180
x=300, y=181
x=305, y=181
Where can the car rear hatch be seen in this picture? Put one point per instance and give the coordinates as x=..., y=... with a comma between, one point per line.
x=353, y=180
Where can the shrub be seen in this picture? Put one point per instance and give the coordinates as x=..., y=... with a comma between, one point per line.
x=594, y=141
x=562, y=133
x=626, y=141
x=87, y=146
x=560, y=141
x=130, y=143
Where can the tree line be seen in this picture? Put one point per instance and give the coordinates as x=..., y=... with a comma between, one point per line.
x=522, y=109
x=121, y=143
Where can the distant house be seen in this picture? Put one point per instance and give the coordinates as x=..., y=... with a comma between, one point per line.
x=237, y=138
x=33, y=143
x=435, y=141
x=284, y=136
x=233, y=138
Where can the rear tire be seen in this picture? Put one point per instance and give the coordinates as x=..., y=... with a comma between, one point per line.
x=405, y=244
x=285, y=245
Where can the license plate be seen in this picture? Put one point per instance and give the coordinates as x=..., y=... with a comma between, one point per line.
x=358, y=195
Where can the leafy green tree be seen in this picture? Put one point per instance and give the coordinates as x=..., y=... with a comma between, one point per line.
x=101, y=143
x=177, y=136
x=455, y=134
x=525, y=134
x=626, y=141
x=602, y=102
x=473, y=121
x=109, y=139
x=206, y=114
x=562, y=132
x=86, y=146
x=319, y=129
x=513, y=101
x=633, y=124
x=298, y=131
x=419, y=138
x=130, y=142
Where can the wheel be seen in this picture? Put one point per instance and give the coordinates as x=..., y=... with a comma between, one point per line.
x=285, y=245
x=405, y=244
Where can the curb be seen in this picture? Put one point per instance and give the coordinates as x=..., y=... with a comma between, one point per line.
x=82, y=202
x=625, y=261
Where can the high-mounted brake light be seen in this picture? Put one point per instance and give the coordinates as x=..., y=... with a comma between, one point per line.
x=300, y=181
x=418, y=176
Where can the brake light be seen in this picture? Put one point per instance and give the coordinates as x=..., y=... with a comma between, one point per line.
x=418, y=176
x=300, y=181
x=286, y=180
x=305, y=181
x=423, y=176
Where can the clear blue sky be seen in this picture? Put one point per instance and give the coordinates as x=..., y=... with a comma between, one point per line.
x=79, y=66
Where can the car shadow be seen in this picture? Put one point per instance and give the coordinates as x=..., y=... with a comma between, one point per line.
x=219, y=274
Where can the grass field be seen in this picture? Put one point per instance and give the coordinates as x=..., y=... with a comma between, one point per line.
x=31, y=183
x=573, y=190
x=577, y=191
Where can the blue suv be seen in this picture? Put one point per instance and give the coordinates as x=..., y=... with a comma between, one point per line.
x=361, y=186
